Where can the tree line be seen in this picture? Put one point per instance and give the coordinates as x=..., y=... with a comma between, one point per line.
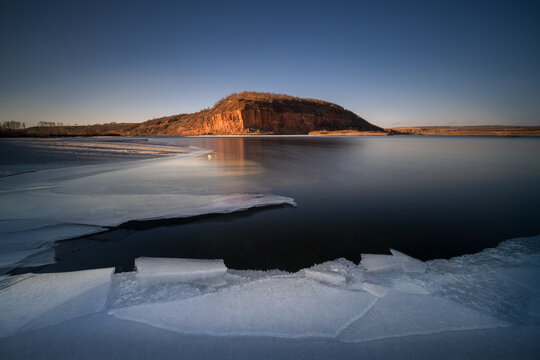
x=12, y=125
x=49, y=124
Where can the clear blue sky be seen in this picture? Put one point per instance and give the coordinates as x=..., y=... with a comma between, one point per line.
x=393, y=63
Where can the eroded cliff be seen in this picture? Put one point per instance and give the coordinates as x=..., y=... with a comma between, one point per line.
x=258, y=113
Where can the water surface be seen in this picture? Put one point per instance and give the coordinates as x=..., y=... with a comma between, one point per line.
x=430, y=197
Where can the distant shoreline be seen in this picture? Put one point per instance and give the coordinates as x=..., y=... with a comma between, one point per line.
x=469, y=130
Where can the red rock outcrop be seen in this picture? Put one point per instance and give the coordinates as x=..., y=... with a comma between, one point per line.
x=258, y=113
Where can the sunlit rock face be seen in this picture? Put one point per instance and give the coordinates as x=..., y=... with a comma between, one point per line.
x=252, y=112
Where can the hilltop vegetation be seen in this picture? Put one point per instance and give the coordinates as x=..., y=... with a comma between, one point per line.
x=242, y=113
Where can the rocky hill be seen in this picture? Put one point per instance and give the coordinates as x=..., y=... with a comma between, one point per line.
x=238, y=114
x=258, y=113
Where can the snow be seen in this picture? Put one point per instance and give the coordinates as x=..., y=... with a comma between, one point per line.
x=33, y=301
x=152, y=270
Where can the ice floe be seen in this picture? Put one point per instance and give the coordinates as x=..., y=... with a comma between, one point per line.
x=41, y=207
x=494, y=289
x=411, y=287
x=396, y=261
x=352, y=303
x=375, y=262
x=374, y=289
x=408, y=263
x=33, y=301
x=281, y=306
x=398, y=314
x=385, y=296
x=328, y=277
x=154, y=270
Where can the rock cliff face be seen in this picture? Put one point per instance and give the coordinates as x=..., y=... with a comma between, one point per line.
x=258, y=113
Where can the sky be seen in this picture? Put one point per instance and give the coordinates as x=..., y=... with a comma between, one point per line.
x=394, y=63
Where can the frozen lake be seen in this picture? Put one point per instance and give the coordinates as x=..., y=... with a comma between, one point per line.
x=430, y=197
x=201, y=217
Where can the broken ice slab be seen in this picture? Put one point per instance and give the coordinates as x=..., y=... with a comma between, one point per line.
x=375, y=262
x=400, y=314
x=33, y=301
x=374, y=289
x=527, y=276
x=280, y=306
x=408, y=263
x=329, y=277
x=155, y=270
x=410, y=287
x=534, y=306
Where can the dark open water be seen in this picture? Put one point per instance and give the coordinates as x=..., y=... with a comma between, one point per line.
x=430, y=197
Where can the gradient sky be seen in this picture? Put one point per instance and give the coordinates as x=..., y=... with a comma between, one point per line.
x=393, y=63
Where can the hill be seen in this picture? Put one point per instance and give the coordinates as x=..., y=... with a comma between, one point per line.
x=258, y=113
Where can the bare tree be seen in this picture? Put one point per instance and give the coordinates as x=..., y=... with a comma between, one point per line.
x=12, y=125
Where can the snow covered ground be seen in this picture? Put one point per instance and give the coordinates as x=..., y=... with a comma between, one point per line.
x=485, y=305
x=59, y=200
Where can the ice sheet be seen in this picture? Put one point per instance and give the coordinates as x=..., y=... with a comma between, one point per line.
x=408, y=263
x=373, y=262
x=488, y=290
x=280, y=307
x=411, y=287
x=155, y=270
x=34, y=301
x=534, y=307
x=98, y=336
x=470, y=292
x=374, y=289
x=328, y=277
x=107, y=210
x=39, y=208
x=399, y=314
x=31, y=247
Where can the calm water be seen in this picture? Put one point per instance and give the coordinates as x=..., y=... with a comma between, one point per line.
x=430, y=197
